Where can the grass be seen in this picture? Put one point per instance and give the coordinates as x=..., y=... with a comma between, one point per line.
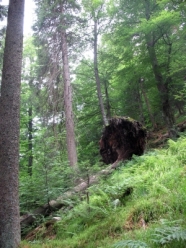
x=150, y=191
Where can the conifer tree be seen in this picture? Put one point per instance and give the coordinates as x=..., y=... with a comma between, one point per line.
x=9, y=127
x=54, y=32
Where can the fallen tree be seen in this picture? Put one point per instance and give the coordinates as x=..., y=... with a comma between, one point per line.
x=54, y=205
x=122, y=138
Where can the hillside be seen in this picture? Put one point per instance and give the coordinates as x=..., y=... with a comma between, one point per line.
x=142, y=204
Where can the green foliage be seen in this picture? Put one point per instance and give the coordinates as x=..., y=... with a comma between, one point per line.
x=181, y=94
x=95, y=208
x=87, y=112
x=130, y=244
x=147, y=214
x=147, y=188
x=178, y=149
x=128, y=44
x=167, y=235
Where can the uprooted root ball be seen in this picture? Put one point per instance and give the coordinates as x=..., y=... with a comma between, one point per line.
x=122, y=138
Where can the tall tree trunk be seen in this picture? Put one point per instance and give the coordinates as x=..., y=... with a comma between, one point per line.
x=69, y=120
x=96, y=72
x=162, y=85
x=9, y=127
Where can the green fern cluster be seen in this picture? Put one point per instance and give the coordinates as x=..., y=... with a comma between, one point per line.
x=165, y=236
x=150, y=189
x=131, y=244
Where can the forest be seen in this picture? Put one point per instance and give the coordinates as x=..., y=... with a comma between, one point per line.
x=92, y=124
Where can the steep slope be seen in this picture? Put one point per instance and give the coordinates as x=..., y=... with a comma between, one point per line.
x=143, y=204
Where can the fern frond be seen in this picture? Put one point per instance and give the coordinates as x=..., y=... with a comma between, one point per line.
x=169, y=234
x=130, y=244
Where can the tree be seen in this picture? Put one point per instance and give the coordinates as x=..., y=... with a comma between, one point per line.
x=95, y=10
x=54, y=33
x=42, y=159
x=96, y=71
x=146, y=37
x=88, y=114
x=163, y=82
x=28, y=99
x=69, y=119
x=9, y=127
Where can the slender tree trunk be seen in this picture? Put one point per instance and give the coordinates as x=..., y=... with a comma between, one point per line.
x=162, y=85
x=140, y=104
x=147, y=103
x=9, y=127
x=30, y=145
x=96, y=72
x=71, y=144
x=108, y=107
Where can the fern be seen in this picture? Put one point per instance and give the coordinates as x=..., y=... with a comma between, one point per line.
x=163, y=236
x=130, y=244
x=167, y=235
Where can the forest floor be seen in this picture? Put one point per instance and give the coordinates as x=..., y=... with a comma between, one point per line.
x=142, y=204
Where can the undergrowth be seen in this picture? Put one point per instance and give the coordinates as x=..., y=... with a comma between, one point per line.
x=140, y=205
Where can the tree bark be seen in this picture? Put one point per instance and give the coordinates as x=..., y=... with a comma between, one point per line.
x=69, y=120
x=9, y=127
x=108, y=107
x=96, y=73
